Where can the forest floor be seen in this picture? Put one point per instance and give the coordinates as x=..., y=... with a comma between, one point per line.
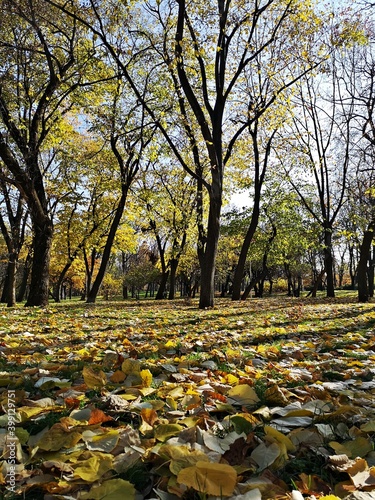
x=265, y=399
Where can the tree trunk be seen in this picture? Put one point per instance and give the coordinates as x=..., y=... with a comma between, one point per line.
x=270, y=280
x=317, y=283
x=208, y=260
x=8, y=295
x=352, y=270
x=5, y=291
x=328, y=262
x=57, y=289
x=363, y=289
x=11, y=273
x=254, y=282
x=39, y=284
x=264, y=271
x=25, y=277
x=163, y=283
x=92, y=294
x=370, y=273
x=240, y=268
x=172, y=278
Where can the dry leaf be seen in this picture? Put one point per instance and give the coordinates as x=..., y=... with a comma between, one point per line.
x=210, y=478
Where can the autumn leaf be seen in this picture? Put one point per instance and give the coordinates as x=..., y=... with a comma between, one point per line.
x=359, y=447
x=98, y=417
x=117, y=377
x=59, y=437
x=210, y=478
x=93, y=466
x=361, y=474
x=163, y=414
x=113, y=489
x=243, y=395
x=146, y=377
x=165, y=431
x=94, y=379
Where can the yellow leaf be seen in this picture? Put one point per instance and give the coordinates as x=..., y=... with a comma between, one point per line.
x=210, y=478
x=177, y=392
x=26, y=412
x=57, y=437
x=181, y=456
x=94, y=379
x=279, y=437
x=243, y=394
x=93, y=468
x=169, y=344
x=146, y=377
x=231, y=379
x=165, y=431
x=113, y=489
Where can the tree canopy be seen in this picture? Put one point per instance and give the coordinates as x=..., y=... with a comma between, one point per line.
x=153, y=115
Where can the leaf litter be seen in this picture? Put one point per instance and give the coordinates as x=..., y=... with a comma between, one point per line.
x=267, y=399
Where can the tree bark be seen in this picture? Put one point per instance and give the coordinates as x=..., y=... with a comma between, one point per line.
x=370, y=272
x=363, y=288
x=11, y=272
x=39, y=284
x=163, y=283
x=240, y=268
x=328, y=262
x=208, y=259
x=262, y=275
x=25, y=277
x=4, y=293
x=92, y=294
x=172, y=278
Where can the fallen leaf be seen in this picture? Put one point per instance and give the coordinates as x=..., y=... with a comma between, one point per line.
x=210, y=478
x=243, y=395
x=113, y=489
x=94, y=379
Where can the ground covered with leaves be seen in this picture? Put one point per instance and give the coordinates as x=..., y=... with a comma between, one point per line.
x=267, y=399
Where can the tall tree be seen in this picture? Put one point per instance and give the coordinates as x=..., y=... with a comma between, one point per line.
x=360, y=72
x=321, y=142
x=41, y=66
x=126, y=129
x=168, y=198
x=204, y=53
x=13, y=220
x=85, y=192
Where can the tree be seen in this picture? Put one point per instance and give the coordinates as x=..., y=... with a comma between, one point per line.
x=85, y=194
x=125, y=127
x=358, y=68
x=168, y=199
x=321, y=142
x=205, y=53
x=42, y=63
x=13, y=221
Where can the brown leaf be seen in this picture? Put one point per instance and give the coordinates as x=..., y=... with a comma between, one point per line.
x=98, y=417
